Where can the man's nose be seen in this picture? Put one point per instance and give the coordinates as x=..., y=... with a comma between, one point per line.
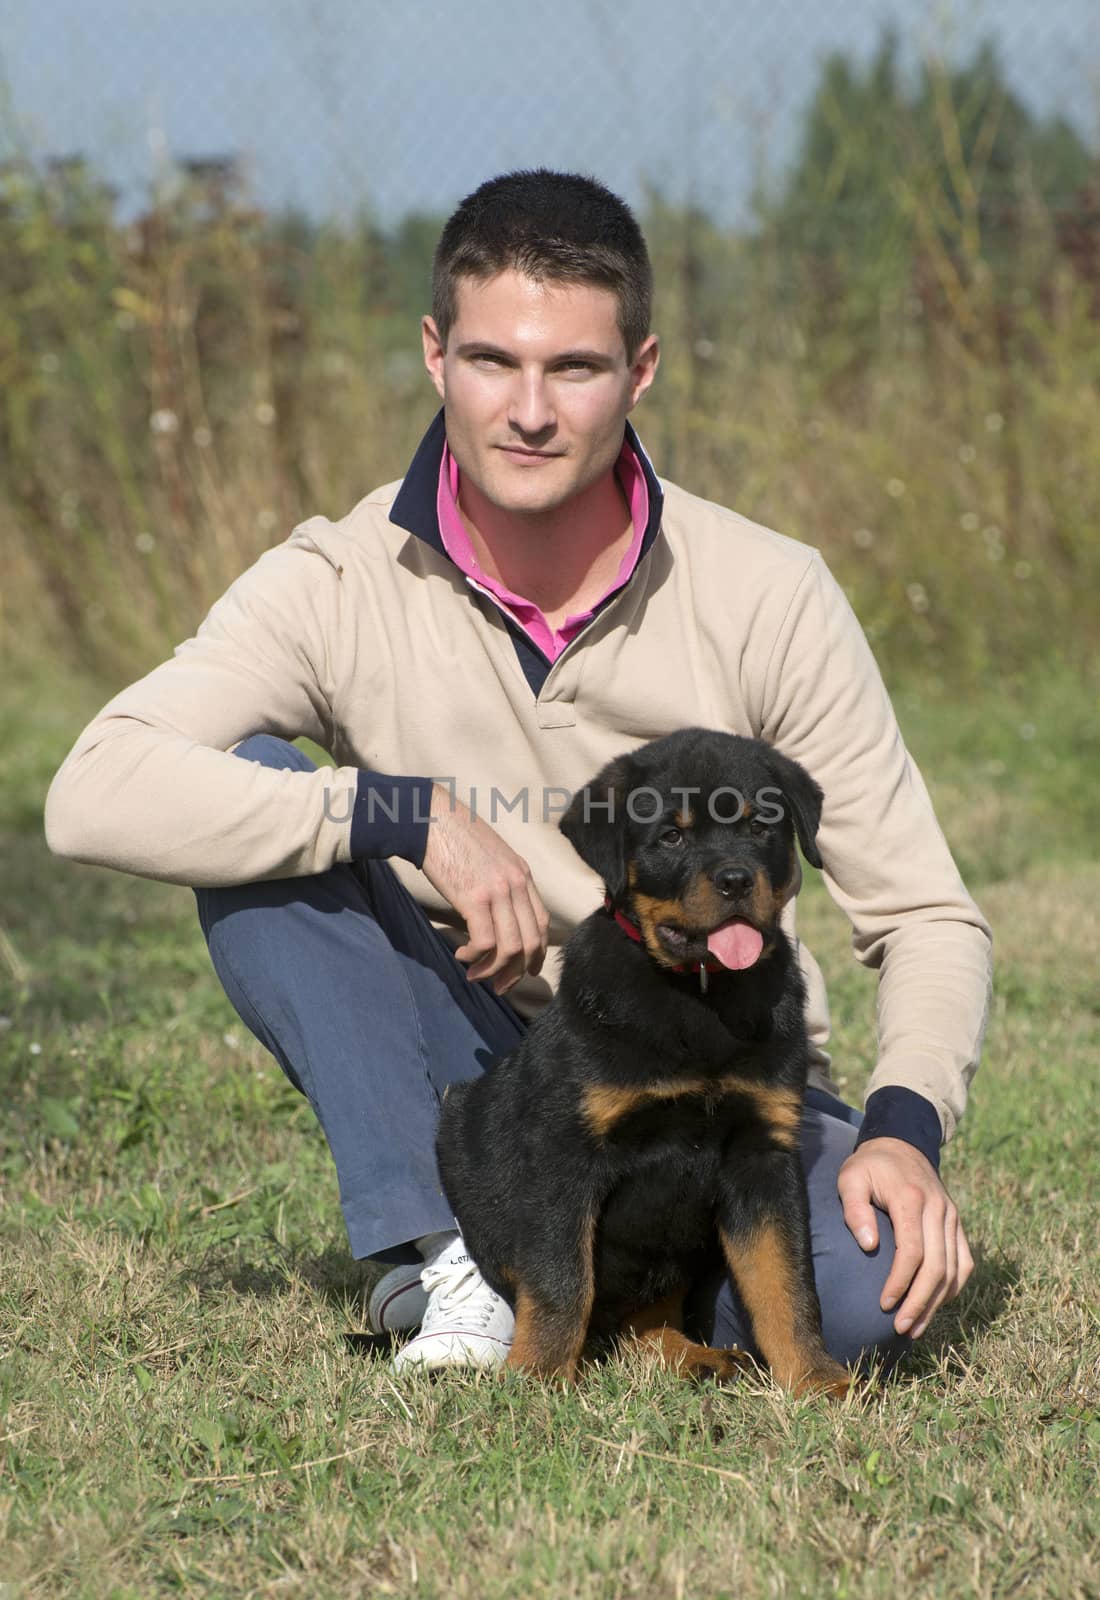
x=531, y=410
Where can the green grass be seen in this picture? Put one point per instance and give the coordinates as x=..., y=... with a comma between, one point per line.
x=180, y=1408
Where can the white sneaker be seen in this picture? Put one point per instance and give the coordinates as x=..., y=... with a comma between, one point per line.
x=465, y=1323
x=397, y=1301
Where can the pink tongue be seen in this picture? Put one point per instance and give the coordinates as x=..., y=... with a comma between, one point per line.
x=736, y=944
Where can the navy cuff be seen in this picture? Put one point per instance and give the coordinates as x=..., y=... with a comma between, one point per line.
x=897, y=1113
x=391, y=817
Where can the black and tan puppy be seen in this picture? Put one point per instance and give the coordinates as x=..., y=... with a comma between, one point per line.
x=648, y=1125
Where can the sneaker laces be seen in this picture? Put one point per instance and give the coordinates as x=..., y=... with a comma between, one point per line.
x=451, y=1284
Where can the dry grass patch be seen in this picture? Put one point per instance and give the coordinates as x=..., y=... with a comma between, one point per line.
x=181, y=1411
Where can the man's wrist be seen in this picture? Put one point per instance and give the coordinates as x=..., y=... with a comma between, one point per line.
x=390, y=817
x=894, y=1112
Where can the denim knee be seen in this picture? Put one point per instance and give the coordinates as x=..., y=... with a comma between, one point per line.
x=856, y=1329
x=270, y=751
x=862, y=1344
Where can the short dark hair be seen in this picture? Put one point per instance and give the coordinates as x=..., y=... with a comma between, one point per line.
x=553, y=226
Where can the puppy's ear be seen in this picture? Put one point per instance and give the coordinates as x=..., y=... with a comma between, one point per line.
x=805, y=799
x=595, y=823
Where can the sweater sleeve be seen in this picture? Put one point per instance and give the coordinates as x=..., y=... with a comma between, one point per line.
x=886, y=862
x=151, y=786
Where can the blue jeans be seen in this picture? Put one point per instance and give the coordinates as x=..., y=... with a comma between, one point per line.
x=362, y=1003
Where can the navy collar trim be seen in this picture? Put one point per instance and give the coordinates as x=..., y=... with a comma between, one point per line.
x=414, y=509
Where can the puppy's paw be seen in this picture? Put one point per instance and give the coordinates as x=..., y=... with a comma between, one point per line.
x=720, y=1366
x=827, y=1377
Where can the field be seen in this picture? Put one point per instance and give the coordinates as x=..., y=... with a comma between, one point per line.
x=182, y=1411
x=898, y=363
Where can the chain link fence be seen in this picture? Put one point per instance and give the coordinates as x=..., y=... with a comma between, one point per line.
x=878, y=284
x=333, y=106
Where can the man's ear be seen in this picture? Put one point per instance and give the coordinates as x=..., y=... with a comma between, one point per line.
x=805, y=799
x=595, y=823
x=643, y=368
x=434, y=351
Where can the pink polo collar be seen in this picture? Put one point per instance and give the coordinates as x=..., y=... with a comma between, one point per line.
x=456, y=542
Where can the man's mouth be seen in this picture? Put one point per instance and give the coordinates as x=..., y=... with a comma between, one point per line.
x=735, y=943
x=518, y=453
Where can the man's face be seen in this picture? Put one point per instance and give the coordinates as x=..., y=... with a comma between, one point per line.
x=537, y=386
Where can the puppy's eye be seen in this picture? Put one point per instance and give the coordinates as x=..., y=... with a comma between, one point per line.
x=758, y=829
x=670, y=836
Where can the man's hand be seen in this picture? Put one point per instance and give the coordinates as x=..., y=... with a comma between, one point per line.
x=932, y=1260
x=491, y=888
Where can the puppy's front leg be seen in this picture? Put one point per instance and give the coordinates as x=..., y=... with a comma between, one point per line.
x=555, y=1288
x=764, y=1226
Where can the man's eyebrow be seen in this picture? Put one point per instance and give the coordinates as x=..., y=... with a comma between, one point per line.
x=486, y=347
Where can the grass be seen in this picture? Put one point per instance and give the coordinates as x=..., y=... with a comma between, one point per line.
x=181, y=1409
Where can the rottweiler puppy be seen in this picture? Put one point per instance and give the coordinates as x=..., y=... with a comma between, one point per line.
x=648, y=1125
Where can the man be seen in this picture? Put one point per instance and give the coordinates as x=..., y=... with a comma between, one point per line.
x=528, y=602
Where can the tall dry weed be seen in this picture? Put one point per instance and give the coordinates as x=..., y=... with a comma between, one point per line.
x=177, y=392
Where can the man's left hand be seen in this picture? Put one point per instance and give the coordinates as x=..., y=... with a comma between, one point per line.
x=932, y=1260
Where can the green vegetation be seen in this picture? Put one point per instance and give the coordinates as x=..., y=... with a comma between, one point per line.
x=899, y=363
x=181, y=1410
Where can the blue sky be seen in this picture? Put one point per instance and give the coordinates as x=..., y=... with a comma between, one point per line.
x=411, y=103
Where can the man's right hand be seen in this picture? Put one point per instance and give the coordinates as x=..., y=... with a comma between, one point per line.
x=491, y=888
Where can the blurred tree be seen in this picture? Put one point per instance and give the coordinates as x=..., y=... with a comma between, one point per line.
x=410, y=248
x=914, y=197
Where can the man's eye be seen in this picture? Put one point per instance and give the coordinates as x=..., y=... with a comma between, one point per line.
x=670, y=836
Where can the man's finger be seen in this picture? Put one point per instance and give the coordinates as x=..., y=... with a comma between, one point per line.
x=949, y=1288
x=542, y=923
x=854, y=1189
x=926, y=1289
x=480, y=936
x=966, y=1260
x=518, y=933
x=909, y=1239
x=534, y=943
x=507, y=942
x=951, y=1241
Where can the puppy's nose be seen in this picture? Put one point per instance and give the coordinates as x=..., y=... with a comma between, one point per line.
x=732, y=881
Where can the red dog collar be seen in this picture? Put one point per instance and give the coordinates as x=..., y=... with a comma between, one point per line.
x=635, y=933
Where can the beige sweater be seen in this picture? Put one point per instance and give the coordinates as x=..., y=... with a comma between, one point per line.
x=360, y=636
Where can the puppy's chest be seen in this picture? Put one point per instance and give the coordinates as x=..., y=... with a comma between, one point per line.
x=688, y=1111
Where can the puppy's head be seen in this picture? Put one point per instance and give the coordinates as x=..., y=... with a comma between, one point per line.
x=694, y=838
